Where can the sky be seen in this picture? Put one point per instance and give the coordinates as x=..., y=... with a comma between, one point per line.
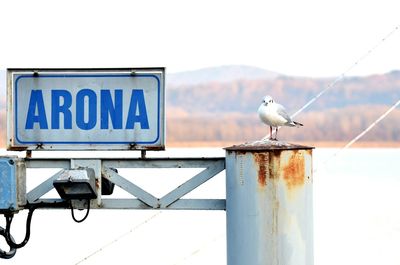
x=303, y=38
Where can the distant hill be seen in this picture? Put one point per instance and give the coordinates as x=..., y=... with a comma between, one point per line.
x=244, y=96
x=219, y=74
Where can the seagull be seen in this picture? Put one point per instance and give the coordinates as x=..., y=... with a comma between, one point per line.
x=274, y=115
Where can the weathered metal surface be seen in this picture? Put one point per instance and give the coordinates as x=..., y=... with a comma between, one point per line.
x=167, y=162
x=42, y=188
x=136, y=204
x=95, y=164
x=267, y=145
x=12, y=183
x=143, y=199
x=212, y=170
x=133, y=189
x=269, y=205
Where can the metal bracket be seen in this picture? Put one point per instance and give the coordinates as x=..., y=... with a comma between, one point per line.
x=133, y=189
x=90, y=163
x=143, y=199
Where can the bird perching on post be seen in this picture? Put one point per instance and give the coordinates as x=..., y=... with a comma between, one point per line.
x=275, y=115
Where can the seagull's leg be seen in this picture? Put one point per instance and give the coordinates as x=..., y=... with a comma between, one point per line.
x=270, y=133
x=276, y=133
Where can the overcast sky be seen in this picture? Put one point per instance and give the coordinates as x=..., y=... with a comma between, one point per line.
x=309, y=37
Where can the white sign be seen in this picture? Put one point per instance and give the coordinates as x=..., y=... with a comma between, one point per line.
x=86, y=109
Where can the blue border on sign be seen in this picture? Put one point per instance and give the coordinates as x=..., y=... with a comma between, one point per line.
x=78, y=76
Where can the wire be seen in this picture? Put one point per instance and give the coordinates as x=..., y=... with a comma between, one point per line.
x=86, y=215
x=8, y=236
x=119, y=238
x=199, y=249
x=358, y=137
x=341, y=76
x=6, y=233
x=7, y=254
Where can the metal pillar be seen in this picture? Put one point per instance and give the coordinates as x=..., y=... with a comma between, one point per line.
x=269, y=204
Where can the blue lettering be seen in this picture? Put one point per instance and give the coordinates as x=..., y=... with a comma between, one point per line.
x=57, y=109
x=36, y=103
x=80, y=109
x=110, y=109
x=137, y=103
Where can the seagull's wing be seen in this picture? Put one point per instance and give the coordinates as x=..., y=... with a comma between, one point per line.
x=282, y=112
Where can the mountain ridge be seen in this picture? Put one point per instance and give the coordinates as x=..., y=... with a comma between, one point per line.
x=225, y=73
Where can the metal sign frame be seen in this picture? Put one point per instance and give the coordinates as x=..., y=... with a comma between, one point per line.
x=141, y=199
x=111, y=138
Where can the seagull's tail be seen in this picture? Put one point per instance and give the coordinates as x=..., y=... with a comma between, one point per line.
x=297, y=124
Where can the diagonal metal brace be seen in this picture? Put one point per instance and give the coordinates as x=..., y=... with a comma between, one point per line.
x=42, y=188
x=131, y=188
x=192, y=183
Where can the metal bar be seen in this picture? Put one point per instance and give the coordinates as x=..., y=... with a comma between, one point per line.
x=135, y=204
x=95, y=164
x=198, y=204
x=42, y=188
x=186, y=162
x=160, y=162
x=192, y=183
x=133, y=189
x=47, y=163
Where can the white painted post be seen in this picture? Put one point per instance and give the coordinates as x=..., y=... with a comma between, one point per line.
x=269, y=204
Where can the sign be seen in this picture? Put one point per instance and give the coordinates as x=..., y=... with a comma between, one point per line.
x=86, y=109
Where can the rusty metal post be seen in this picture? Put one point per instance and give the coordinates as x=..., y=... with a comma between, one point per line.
x=269, y=204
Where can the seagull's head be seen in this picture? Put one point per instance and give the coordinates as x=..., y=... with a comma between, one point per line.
x=267, y=100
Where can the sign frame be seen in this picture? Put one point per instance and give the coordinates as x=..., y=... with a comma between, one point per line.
x=153, y=78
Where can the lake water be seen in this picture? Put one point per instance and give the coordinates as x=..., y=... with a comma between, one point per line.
x=356, y=217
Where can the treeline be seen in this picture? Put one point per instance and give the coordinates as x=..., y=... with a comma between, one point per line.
x=331, y=125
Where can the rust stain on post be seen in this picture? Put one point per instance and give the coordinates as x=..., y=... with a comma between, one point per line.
x=293, y=171
x=262, y=162
x=274, y=164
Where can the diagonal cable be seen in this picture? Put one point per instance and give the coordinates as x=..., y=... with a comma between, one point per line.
x=132, y=230
x=341, y=76
x=358, y=137
x=199, y=249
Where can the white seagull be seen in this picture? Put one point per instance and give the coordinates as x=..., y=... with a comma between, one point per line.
x=274, y=115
